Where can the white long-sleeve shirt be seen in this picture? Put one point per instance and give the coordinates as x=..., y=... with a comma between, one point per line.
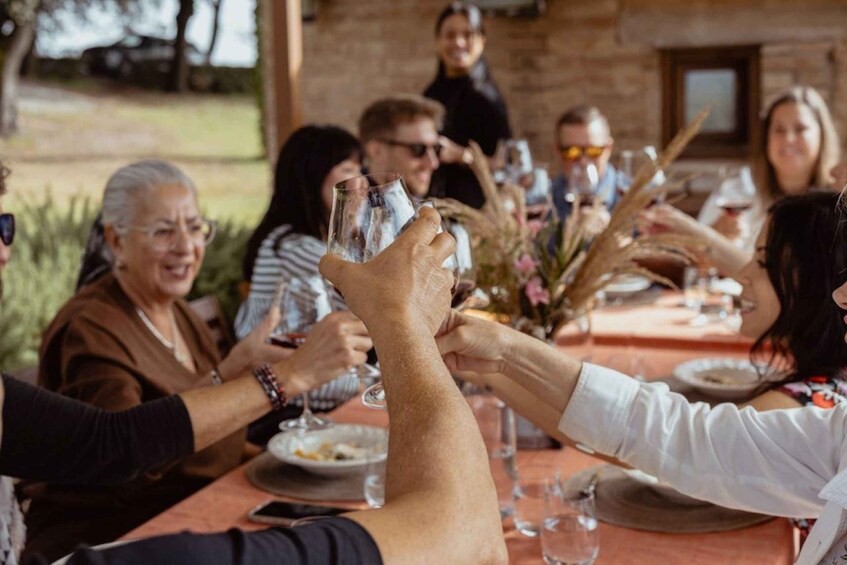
x=783, y=462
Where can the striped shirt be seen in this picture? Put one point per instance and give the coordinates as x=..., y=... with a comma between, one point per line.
x=283, y=256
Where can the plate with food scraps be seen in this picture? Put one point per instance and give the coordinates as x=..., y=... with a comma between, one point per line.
x=342, y=449
x=627, y=284
x=723, y=378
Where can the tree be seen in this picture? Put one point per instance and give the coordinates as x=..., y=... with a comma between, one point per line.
x=20, y=16
x=216, y=21
x=178, y=75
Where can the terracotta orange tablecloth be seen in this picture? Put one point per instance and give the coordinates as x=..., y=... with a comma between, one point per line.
x=225, y=503
x=659, y=337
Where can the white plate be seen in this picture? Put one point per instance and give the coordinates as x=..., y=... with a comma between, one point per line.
x=627, y=284
x=283, y=447
x=727, y=379
x=64, y=559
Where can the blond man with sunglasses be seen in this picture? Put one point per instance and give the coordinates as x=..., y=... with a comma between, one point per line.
x=583, y=136
x=400, y=134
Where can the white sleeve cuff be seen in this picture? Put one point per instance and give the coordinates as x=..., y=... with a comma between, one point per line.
x=598, y=412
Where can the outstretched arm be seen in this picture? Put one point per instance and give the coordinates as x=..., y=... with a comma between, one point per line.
x=441, y=506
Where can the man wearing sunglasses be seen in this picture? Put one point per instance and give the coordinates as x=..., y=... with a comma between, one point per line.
x=583, y=136
x=400, y=134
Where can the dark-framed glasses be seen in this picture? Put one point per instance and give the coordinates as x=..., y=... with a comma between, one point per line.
x=165, y=236
x=417, y=150
x=7, y=228
x=575, y=152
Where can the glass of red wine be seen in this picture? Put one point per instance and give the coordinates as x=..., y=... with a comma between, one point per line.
x=303, y=302
x=583, y=183
x=368, y=213
x=737, y=192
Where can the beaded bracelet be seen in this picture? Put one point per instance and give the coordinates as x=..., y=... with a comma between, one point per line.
x=271, y=386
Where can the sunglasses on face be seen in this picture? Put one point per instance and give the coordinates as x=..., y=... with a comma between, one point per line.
x=575, y=152
x=7, y=228
x=417, y=150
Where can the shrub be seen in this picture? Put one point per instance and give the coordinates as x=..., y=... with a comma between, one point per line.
x=221, y=273
x=41, y=276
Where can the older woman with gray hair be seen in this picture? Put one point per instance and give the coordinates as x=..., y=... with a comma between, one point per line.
x=129, y=338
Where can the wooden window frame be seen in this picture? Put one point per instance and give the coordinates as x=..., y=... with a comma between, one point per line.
x=743, y=140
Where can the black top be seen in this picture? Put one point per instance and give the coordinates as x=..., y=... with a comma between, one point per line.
x=50, y=437
x=475, y=110
x=333, y=541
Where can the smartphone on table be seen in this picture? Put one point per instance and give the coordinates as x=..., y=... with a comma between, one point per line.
x=278, y=513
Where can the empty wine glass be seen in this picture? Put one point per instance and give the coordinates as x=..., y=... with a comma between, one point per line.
x=368, y=213
x=303, y=302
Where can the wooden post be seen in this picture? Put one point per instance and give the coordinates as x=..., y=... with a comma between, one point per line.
x=283, y=58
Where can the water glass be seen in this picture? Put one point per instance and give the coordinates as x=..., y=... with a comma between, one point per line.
x=714, y=305
x=569, y=533
x=694, y=288
x=497, y=426
x=528, y=497
x=374, y=484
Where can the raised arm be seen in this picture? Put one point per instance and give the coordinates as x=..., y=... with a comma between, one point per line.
x=738, y=458
x=441, y=505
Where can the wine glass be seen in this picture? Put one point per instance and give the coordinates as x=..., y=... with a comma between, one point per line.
x=303, y=302
x=583, y=181
x=538, y=195
x=623, y=179
x=737, y=192
x=368, y=213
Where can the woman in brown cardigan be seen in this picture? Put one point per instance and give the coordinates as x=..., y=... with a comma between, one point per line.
x=130, y=338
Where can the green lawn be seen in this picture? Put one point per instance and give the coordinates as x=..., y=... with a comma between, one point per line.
x=72, y=139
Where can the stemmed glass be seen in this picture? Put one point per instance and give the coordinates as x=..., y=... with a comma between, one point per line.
x=583, y=180
x=737, y=192
x=368, y=213
x=303, y=302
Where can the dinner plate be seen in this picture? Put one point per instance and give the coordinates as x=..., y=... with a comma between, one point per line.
x=365, y=441
x=627, y=284
x=65, y=559
x=723, y=378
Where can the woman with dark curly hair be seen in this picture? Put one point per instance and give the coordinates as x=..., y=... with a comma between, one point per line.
x=785, y=305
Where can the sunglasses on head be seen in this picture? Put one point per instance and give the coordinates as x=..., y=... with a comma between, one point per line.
x=575, y=152
x=7, y=228
x=417, y=150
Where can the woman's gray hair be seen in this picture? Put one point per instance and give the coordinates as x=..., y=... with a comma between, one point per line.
x=123, y=188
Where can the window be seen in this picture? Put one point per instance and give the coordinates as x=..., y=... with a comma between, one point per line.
x=725, y=79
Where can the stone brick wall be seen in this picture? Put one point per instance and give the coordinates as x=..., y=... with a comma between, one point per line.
x=602, y=51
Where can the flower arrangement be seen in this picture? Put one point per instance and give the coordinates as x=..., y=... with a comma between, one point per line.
x=541, y=275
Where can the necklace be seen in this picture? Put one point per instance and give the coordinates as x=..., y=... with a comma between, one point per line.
x=180, y=357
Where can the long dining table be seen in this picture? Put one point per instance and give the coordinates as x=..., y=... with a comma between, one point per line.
x=659, y=332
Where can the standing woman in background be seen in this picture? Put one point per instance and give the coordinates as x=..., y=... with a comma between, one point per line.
x=475, y=109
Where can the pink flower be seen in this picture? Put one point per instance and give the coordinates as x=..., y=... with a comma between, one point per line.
x=526, y=264
x=534, y=227
x=536, y=293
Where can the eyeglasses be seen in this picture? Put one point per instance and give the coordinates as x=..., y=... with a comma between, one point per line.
x=7, y=228
x=164, y=236
x=417, y=150
x=575, y=152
